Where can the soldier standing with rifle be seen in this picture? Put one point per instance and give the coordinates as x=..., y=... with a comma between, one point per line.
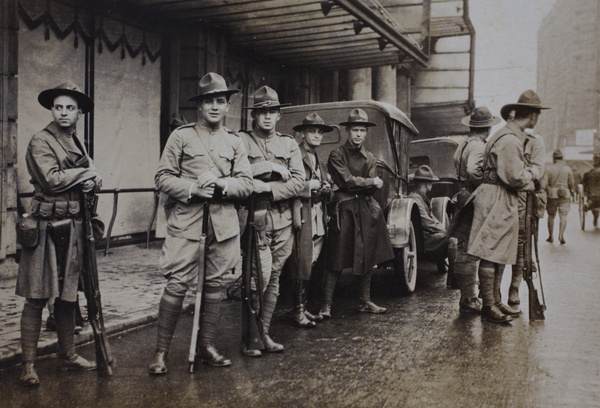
x=203, y=165
x=51, y=264
x=278, y=174
x=311, y=225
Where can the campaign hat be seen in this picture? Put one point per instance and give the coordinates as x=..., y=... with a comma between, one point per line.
x=313, y=120
x=84, y=102
x=266, y=97
x=358, y=117
x=424, y=173
x=212, y=84
x=557, y=154
x=481, y=117
x=529, y=98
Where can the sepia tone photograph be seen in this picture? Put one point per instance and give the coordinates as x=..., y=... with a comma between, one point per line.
x=299, y=203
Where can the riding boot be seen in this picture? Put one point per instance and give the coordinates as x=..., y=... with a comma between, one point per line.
x=465, y=275
x=169, y=309
x=507, y=310
x=31, y=324
x=269, y=303
x=330, y=279
x=364, y=296
x=298, y=315
x=515, y=283
x=487, y=272
x=68, y=360
x=309, y=316
x=209, y=322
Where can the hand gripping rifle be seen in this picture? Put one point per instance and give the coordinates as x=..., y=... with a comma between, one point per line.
x=104, y=358
x=199, y=289
x=251, y=322
x=536, y=308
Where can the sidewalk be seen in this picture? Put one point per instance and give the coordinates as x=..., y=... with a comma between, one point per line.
x=131, y=286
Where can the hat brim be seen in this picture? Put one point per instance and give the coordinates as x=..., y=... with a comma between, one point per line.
x=420, y=178
x=84, y=102
x=504, y=111
x=281, y=105
x=214, y=93
x=489, y=123
x=367, y=124
x=326, y=128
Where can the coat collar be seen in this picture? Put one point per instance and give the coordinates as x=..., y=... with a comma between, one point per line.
x=349, y=146
x=63, y=137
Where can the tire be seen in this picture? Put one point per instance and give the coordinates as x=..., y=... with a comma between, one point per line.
x=405, y=263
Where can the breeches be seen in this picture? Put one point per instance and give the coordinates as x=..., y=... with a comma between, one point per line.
x=560, y=205
x=274, y=247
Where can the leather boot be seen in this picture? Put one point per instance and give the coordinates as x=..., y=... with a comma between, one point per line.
x=298, y=315
x=75, y=362
x=515, y=283
x=29, y=377
x=269, y=302
x=507, y=310
x=210, y=355
x=494, y=315
x=325, y=312
x=487, y=274
x=465, y=273
x=329, y=282
x=159, y=364
x=270, y=345
x=309, y=316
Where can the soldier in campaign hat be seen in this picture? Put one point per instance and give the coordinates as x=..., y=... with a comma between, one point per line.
x=50, y=267
x=358, y=238
x=560, y=184
x=278, y=177
x=191, y=175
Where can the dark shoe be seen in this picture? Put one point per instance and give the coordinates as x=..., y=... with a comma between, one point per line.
x=507, y=310
x=76, y=363
x=370, y=307
x=251, y=352
x=595, y=222
x=562, y=241
x=271, y=346
x=513, y=296
x=159, y=364
x=29, y=377
x=494, y=315
x=325, y=312
x=300, y=319
x=312, y=317
x=210, y=355
x=550, y=239
x=51, y=323
x=470, y=305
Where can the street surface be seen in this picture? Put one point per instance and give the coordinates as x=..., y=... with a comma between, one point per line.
x=422, y=353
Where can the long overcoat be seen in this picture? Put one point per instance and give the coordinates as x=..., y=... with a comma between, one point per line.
x=56, y=166
x=299, y=264
x=434, y=233
x=358, y=238
x=494, y=204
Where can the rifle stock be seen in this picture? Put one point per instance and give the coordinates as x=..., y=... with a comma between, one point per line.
x=200, y=289
x=536, y=308
x=104, y=358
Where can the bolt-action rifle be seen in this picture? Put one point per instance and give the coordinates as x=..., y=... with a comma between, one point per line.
x=200, y=289
x=536, y=308
x=251, y=299
x=104, y=358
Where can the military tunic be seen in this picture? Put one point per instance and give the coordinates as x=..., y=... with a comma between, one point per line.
x=185, y=158
x=359, y=238
x=57, y=167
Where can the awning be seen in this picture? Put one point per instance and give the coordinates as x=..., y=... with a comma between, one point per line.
x=329, y=35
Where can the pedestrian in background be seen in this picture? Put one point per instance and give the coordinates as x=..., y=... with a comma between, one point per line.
x=358, y=238
x=278, y=177
x=591, y=188
x=202, y=162
x=560, y=185
x=60, y=170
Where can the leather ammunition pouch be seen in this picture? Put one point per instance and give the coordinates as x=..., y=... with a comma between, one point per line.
x=55, y=210
x=28, y=231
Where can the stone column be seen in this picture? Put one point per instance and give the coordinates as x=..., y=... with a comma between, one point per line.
x=403, y=100
x=359, y=83
x=384, y=84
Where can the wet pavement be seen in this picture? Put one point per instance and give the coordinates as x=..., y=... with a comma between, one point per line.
x=422, y=353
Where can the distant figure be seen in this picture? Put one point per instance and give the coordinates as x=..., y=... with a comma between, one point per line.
x=591, y=188
x=560, y=186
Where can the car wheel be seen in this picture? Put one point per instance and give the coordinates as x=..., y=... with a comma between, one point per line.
x=405, y=263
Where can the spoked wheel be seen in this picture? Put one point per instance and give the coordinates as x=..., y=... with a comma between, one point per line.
x=582, y=211
x=405, y=263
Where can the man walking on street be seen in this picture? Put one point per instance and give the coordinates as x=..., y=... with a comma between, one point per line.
x=202, y=163
x=559, y=187
x=591, y=188
x=312, y=225
x=468, y=160
x=60, y=171
x=278, y=173
x=358, y=239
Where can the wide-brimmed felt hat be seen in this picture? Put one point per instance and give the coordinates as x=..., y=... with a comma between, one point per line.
x=424, y=173
x=84, y=102
x=266, y=97
x=358, y=117
x=529, y=98
x=481, y=117
x=557, y=154
x=212, y=84
x=313, y=120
